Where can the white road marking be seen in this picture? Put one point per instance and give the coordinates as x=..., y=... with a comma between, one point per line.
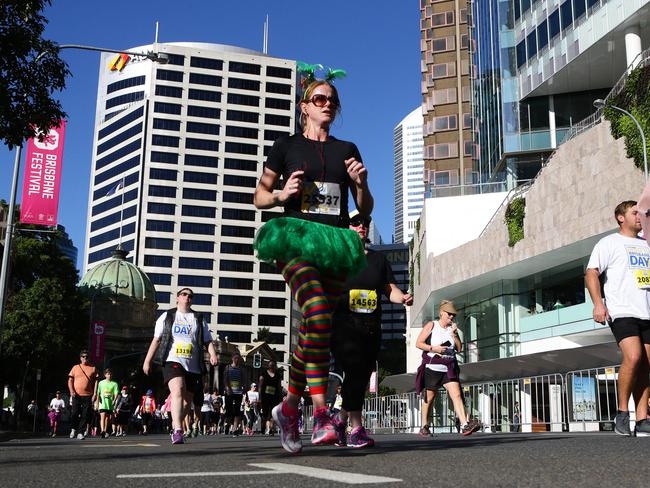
x=91, y=446
x=279, y=468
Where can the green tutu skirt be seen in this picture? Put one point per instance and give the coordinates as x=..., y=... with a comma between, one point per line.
x=332, y=250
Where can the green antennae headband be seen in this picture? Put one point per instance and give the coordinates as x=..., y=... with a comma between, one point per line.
x=308, y=72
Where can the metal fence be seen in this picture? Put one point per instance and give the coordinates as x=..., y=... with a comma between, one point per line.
x=584, y=400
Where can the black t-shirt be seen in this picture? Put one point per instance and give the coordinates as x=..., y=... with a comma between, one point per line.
x=322, y=162
x=272, y=386
x=362, y=295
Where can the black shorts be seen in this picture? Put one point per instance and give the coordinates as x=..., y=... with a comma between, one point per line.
x=123, y=417
x=630, y=327
x=105, y=410
x=193, y=381
x=435, y=379
x=233, y=405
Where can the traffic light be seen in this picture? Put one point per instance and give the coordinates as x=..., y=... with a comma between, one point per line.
x=257, y=360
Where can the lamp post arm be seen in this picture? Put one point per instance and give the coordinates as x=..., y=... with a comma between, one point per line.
x=638, y=125
x=149, y=55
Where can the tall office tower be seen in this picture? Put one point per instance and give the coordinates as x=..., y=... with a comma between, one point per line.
x=178, y=150
x=448, y=145
x=409, y=174
x=539, y=66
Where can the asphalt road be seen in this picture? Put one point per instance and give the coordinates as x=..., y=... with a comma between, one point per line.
x=557, y=460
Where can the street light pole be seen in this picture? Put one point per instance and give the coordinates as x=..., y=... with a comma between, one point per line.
x=600, y=103
x=156, y=57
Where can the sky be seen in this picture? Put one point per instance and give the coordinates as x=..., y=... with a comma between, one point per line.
x=377, y=43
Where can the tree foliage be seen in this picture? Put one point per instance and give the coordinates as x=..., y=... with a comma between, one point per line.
x=514, y=219
x=45, y=321
x=635, y=98
x=30, y=72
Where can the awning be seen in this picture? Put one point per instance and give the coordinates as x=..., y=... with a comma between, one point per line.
x=541, y=363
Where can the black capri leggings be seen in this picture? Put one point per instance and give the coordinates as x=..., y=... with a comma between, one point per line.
x=355, y=345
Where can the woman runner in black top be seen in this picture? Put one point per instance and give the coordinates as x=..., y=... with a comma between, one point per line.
x=357, y=334
x=312, y=244
x=270, y=387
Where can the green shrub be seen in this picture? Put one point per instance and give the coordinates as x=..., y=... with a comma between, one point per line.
x=514, y=219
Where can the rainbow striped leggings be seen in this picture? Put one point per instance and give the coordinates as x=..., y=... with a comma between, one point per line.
x=317, y=295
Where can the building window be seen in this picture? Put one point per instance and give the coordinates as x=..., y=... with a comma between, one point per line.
x=127, y=83
x=206, y=63
x=236, y=266
x=445, y=150
x=199, y=160
x=236, y=283
x=553, y=24
x=205, y=112
x=464, y=41
x=198, y=211
x=205, y=95
x=237, y=214
x=445, y=178
x=176, y=59
x=279, y=72
x=158, y=243
x=467, y=121
x=160, y=225
x=270, y=320
x=162, y=191
x=280, y=88
x=161, y=208
x=169, y=91
x=245, y=132
x=193, y=280
x=271, y=302
x=444, y=96
x=196, y=228
x=164, y=157
x=197, y=246
x=195, y=263
x=196, y=177
x=240, y=181
x=120, y=169
x=273, y=135
x=240, y=164
x=201, y=144
x=241, y=116
x=197, y=194
x=468, y=150
x=531, y=44
x=236, y=248
x=169, y=75
x=272, y=119
x=202, y=299
x=278, y=103
x=566, y=16
x=443, y=70
x=443, y=44
x=272, y=285
x=163, y=297
x=237, y=231
x=238, y=99
x=542, y=35
x=235, y=301
x=158, y=261
x=167, y=108
x=124, y=99
x=168, y=141
x=250, y=69
x=244, y=84
x=162, y=174
x=441, y=19
x=234, y=319
x=160, y=278
x=115, y=155
x=236, y=197
x=240, y=148
x=445, y=122
x=122, y=122
x=201, y=79
x=202, y=128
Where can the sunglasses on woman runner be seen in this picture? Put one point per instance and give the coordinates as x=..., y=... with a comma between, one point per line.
x=321, y=100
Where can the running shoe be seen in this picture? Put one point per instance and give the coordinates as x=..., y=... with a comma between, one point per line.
x=80, y=436
x=622, y=423
x=642, y=428
x=324, y=431
x=73, y=434
x=177, y=437
x=340, y=426
x=288, y=426
x=359, y=438
x=470, y=427
x=425, y=431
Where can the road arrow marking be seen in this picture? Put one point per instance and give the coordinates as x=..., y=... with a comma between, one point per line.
x=279, y=468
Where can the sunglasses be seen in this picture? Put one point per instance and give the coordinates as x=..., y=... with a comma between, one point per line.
x=84, y=356
x=358, y=222
x=185, y=294
x=321, y=100
x=452, y=315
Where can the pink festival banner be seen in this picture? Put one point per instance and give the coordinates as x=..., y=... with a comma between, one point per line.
x=42, y=179
x=97, y=342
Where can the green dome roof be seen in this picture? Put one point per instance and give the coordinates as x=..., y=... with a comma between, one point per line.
x=120, y=277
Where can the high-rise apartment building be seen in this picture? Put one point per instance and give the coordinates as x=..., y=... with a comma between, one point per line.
x=409, y=174
x=448, y=145
x=178, y=150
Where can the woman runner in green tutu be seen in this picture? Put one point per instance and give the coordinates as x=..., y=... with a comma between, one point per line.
x=312, y=244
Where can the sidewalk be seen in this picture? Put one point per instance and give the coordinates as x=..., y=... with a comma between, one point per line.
x=7, y=435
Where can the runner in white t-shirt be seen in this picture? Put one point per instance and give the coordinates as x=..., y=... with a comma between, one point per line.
x=57, y=405
x=178, y=342
x=624, y=260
